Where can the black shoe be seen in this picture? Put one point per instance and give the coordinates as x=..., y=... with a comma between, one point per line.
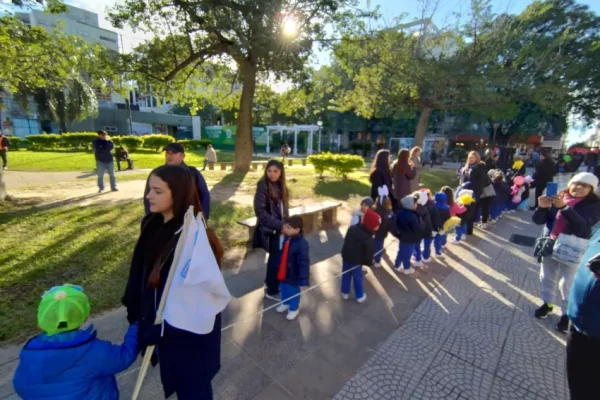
x=543, y=311
x=563, y=324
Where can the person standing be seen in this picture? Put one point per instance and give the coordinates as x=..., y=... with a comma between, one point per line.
x=490, y=161
x=188, y=361
x=4, y=145
x=475, y=172
x=433, y=157
x=573, y=212
x=271, y=204
x=415, y=158
x=583, y=341
x=381, y=174
x=544, y=173
x=175, y=155
x=403, y=172
x=103, y=147
x=210, y=157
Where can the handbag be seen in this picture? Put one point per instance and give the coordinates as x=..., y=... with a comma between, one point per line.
x=488, y=191
x=544, y=247
x=569, y=249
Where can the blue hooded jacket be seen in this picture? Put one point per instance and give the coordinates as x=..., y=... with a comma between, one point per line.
x=410, y=228
x=443, y=210
x=584, y=298
x=298, y=262
x=73, y=365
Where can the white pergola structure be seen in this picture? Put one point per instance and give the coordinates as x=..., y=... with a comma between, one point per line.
x=311, y=129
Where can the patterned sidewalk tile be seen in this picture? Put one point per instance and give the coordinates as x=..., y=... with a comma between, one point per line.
x=490, y=306
x=505, y=390
x=451, y=378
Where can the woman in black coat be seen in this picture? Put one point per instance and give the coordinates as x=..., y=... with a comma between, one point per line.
x=271, y=205
x=381, y=174
x=188, y=361
x=475, y=172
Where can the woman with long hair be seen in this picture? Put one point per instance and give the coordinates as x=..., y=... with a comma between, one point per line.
x=188, y=361
x=415, y=157
x=381, y=174
x=271, y=204
x=475, y=172
x=403, y=172
x=573, y=211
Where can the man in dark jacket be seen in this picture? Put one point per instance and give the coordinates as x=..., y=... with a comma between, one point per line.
x=4, y=145
x=544, y=173
x=358, y=249
x=174, y=155
x=121, y=154
x=103, y=147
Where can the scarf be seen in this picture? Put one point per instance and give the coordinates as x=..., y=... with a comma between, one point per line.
x=560, y=224
x=281, y=273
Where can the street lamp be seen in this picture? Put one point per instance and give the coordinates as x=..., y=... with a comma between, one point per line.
x=320, y=123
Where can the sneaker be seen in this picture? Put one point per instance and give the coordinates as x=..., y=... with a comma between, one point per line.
x=282, y=308
x=365, y=268
x=274, y=297
x=362, y=299
x=418, y=264
x=563, y=324
x=377, y=265
x=345, y=296
x=427, y=260
x=5, y=168
x=291, y=315
x=439, y=255
x=100, y=191
x=543, y=311
x=408, y=271
x=114, y=190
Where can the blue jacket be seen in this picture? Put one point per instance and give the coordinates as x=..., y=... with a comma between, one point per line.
x=443, y=210
x=73, y=365
x=298, y=262
x=410, y=227
x=201, y=186
x=584, y=299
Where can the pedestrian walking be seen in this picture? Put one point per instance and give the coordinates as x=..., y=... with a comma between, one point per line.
x=415, y=157
x=403, y=172
x=175, y=155
x=188, y=361
x=103, y=148
x=573, y=211
x=4, y=145
x=210, y=157
x=271, y=204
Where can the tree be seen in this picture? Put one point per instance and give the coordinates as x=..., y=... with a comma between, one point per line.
x=194, y=36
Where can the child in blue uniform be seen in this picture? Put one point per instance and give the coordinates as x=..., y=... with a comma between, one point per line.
x=411, y=230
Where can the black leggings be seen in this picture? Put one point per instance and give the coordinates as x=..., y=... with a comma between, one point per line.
x=583, y=353
x=273, y=266
x=484, y=206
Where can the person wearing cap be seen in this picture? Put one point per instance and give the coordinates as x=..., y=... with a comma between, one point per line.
x=574, y=211
x=4, y=145
x=175, y=155
x=103, y=147
x=358, y=249
x=68, y=362
x=365, y=204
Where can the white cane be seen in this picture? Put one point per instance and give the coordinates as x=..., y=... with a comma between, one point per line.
x=159, y=313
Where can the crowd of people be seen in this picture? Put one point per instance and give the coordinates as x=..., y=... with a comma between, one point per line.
x=69, y=362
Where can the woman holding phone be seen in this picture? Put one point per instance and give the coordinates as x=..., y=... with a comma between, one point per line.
x=573, y=211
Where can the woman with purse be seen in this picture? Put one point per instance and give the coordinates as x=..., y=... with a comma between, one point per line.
x=475, y=172
x=403, y=172
x=271, y=204
x=381, y=174
x=573, y=212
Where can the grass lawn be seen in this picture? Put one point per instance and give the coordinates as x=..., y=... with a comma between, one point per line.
x=92, y=245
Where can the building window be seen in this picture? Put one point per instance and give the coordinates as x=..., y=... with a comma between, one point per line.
x=108, y=39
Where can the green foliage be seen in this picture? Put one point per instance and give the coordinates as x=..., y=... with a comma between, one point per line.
x=157, y=142
x=194, y=144
x=44, y=141
x=132, y=143
x=458, y=154
x=361, y=145
x=17, y=143
x=79, y=140
x=340, y=164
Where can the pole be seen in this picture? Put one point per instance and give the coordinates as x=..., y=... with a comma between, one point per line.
x=159, y=313
x=319, y=143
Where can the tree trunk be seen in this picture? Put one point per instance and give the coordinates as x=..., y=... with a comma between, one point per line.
x=63, y=126
x=243, y=137
x=422, y=125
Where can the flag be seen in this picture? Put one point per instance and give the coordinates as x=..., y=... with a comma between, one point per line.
x=198, y=291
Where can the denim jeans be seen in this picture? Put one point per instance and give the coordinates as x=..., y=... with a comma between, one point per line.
x=378, y=250
x=288, y=291
x=438, y=243
x=405, y=251
x=461, y=230
x=355, y=275
x=103, y=167
x=495, y=211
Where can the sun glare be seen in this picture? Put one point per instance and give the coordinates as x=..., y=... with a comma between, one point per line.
x=290, y=27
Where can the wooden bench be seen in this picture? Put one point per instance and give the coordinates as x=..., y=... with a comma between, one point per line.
x=310, y=216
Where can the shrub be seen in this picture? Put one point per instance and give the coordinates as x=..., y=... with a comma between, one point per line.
x=78, y=140
x=157, y=142
x=44, y=141
x=194, y=144
x=17, y=143
x=340, y=164
x=116, y=140
x=132, y=143
x=458, y=154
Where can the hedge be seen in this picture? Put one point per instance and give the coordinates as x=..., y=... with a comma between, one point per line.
x=194, y=144
x=157, y=142
x=83, y=140
x=131, y=143
x=340, y=164
x=78, y=140
x=17, y=143
x=43, y=141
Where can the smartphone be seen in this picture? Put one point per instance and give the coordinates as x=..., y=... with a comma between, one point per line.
x=552, y=189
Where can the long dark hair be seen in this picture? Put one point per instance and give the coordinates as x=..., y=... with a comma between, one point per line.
x=449, y=195
x=276, y=193
x=381, y=163
x=402, y=162
x=184, y=194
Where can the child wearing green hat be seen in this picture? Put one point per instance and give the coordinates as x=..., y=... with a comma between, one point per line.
x=66, y=362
